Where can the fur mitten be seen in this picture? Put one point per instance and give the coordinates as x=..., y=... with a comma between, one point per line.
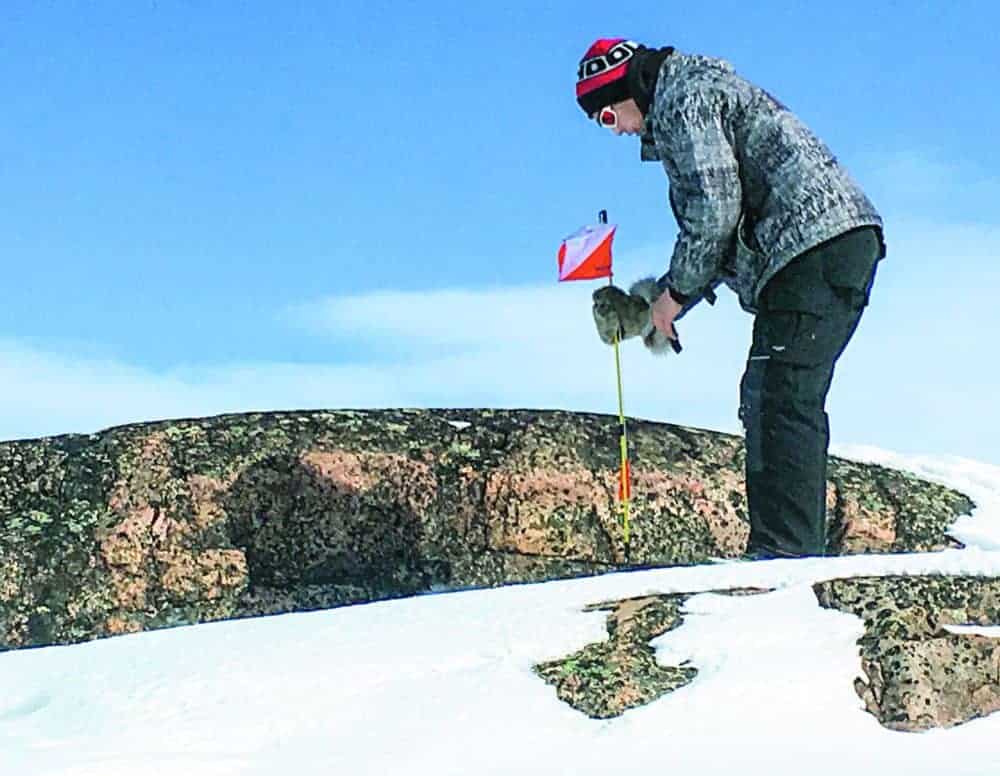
x=629, y=315
x=618, y=313
x=649, y=291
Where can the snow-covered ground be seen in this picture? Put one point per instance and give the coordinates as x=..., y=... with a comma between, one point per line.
x=442, y=684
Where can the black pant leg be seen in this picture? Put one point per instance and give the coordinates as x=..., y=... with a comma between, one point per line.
x=787, y=440
x=804, y=324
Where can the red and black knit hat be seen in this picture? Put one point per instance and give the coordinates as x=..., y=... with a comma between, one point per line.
x=601, y=81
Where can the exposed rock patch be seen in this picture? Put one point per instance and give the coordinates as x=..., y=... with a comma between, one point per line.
x=919, y=674
x=607, y=678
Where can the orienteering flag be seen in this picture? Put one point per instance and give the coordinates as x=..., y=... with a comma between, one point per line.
x=625, y=482
x=586, y=254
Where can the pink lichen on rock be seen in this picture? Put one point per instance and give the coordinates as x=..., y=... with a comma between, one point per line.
x=153, y=549
x=207, y=575
x=413, y=482
x=717, y=501
x=545, y=510
x=865, y=530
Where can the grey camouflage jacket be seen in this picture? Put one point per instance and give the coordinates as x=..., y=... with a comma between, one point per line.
x=750, y=185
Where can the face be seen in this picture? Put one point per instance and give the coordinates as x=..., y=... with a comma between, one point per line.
x=630, y=119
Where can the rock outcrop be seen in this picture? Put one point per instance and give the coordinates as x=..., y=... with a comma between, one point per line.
x=179, y=522
x=919, y=673
x=607, y=678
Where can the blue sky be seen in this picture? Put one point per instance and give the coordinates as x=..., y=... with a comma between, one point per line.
x=220, y=206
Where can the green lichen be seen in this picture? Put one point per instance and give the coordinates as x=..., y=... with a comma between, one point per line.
x=606, y=679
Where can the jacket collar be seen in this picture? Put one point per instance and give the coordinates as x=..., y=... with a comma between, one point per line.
x=676, y=66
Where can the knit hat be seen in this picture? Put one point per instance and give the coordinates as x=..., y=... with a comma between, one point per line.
x=601, y=81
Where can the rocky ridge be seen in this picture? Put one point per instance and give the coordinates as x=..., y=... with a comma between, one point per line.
x=187, y=521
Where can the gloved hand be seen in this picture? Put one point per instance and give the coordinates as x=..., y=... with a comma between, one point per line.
x=629, y=315
x=616, y=312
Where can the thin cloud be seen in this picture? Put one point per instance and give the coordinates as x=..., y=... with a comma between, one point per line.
x=481, y=318
x=920, y=375
x=922, y=183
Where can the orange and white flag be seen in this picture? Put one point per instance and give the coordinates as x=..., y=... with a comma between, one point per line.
x=586, y=254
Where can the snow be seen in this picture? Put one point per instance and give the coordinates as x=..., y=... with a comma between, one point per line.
x=975, y=630
x=442, y=684
x=459, y=424
x=979, y=481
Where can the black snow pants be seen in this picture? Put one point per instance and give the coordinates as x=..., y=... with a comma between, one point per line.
x=807, y=314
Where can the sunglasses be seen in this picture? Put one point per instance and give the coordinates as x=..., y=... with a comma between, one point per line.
x=606, y=117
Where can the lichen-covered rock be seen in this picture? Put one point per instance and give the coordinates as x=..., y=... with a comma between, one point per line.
x=875, y=509
x=187, y=521
x=607, y=678
x=919, y=674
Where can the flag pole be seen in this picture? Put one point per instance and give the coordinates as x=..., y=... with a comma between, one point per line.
x=624, y=486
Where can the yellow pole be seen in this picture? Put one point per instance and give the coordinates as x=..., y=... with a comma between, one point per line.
x=624, y=484
x=624, y=481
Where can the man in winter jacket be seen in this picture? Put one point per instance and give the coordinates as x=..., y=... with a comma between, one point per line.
x=763, y=206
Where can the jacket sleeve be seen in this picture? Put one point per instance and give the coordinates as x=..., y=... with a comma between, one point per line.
x=705, y=191
x=687, y=303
